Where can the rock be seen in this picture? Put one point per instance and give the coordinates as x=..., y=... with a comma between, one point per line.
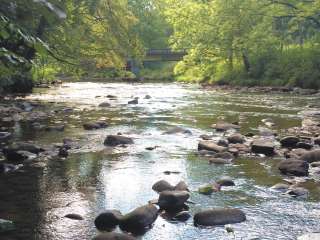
x=114, y=140
x=289, y=142
x=312, y=156
x=17, y=156
x=114, y=236
x=6, y=226
x=134, y=101
x=181, y=186
x=263, y=146
x=147, y=97
x=236, y=138
x=304, y=145
x=219, y=216
x=63, y=152
x=224, y=155
x=139, y=219
x=108, y=220
x=4, y=136
x=182, y=216
x=310, y=236
x=171, y=200
x=171, y=172
x=220, y=161
x=95, y=125
x=7, y=167
x=315, y=164
x=298, y=192
x=210, y=146
x=223, y=142
x=206, y=189
x=27, y=147
x=206, y=137
x=223, y=126
x=74, y=216
x=105, y=104
x=226, y=182
x=268, y=121
x=281, y=187
x=294, y=167
x=176, y=130
x=111, y=97
x=161, y=186
x=58, y=128
x=317, y=141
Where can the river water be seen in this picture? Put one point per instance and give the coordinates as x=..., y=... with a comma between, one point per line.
x=94, y=178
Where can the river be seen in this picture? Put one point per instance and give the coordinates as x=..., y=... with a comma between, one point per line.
x=94, y=178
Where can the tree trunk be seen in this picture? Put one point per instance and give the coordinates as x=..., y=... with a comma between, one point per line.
x=246, y=62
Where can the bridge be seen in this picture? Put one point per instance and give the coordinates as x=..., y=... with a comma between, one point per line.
x=157, y=55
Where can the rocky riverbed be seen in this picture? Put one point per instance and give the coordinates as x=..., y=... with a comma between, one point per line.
x=172, y=161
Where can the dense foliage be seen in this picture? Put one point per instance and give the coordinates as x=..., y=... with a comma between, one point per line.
x=252, y=42
x=248, y=41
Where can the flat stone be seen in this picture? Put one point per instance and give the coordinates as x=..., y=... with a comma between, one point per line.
x=114, y=140
x=263, y=146
x=211, y=146
x=219, y=216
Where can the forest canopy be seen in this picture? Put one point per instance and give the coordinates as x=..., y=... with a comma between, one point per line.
x=249, y=42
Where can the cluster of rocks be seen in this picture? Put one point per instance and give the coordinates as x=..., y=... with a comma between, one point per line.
x=171, y=204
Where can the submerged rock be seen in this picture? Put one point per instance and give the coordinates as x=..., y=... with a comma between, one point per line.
x=294, y=167
x=263, y=146
x=134, y=101
x=226, y=182
x=224, y=126
x=139, y=219
x=114, y=236
x=115, y=140
x=182, y=216
x=104, y=104
x=108, y=220
x=6, y=226
x=281, y=187
x=95, y=125
x=4, y=136
x=219, y=216
x=220, y=161
x=297, y=192
x=176, y=130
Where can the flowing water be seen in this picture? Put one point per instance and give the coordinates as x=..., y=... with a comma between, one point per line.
x=94, y=178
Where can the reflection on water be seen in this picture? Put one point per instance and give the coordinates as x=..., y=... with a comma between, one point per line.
x=94, y=178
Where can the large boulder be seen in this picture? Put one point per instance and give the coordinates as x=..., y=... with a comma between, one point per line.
x=289, y=141
x=108, y=220
x=161, y=186
x=139, y=219
x=312, y=156
x=263, y=146
x=171, y=200
x=114, y=236
x=294, y=167
x=211, y=146
x=236, y=138
x=115, y=140
x=219, y=216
